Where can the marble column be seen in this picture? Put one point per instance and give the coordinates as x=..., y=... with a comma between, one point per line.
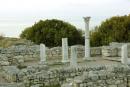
x=124, y=54
x=42, y=53
x=73, y=60
x=65, y=50
x=87, y=41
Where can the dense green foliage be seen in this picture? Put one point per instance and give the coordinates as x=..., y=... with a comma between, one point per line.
x=115, y=29
x=51, y=32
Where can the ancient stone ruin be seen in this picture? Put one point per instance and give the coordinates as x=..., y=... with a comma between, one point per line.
x=31, y=65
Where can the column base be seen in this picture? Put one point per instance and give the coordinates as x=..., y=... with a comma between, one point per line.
x=42, y=62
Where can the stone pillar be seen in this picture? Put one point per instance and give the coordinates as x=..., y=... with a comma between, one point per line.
x=87, y=41
x=73, y=60
x=124, y=54
x=42, y=53
x=65, y=50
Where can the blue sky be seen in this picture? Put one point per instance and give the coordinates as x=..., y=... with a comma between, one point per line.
x=15, y=15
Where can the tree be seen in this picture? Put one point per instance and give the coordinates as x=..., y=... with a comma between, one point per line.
x=51, y=32
x=115, y=29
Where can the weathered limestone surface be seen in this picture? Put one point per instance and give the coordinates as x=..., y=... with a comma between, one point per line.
x=87, y=41
x=117, y=77
x=12, y=85
x=73, y=60
x=124, y=54
x=99, y=76
x=42, y=53
x=59, y=76
x=114, y=49
x=65, y=50
x=19, y=53
x=19, y=66
x=109, y=51
x=22, y=53
x=39, y=74
x=10, y=73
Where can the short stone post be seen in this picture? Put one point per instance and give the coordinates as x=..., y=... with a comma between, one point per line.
x=42, y=53
x=73, y=60
x=65, y=50
x=124, y=54
x=87, y=41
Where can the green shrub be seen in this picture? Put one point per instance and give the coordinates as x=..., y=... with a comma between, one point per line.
x=51, y=32
x=115, y=29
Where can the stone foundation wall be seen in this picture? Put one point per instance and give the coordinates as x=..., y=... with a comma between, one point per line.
x=19, y=53
x=103, y=79
x=97, y=76
x=110, y=51
x=118, y=77
x=12, y=85
x=113, y=50
x=22, y=53
x=56, y=52
x=58, y=76
x=83, y=77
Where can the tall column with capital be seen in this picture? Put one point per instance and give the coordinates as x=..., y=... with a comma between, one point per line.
x=87, y=39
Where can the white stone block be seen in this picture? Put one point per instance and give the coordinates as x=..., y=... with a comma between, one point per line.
x=124, y=54
x=65, y=50
x=73, y=62
x=42, y=53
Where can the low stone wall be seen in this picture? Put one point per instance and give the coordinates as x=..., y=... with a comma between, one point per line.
x=103, y=79
x=19, y=53
x=96, y=51
x=101, y=76
x=118, y=77
x=12, y=85
x=22, y=53
x=15, y=74
x=10, y=73
x=56, y=52
x=110, y=51
x=96, y=76
x=58, y=76
x=114, y=50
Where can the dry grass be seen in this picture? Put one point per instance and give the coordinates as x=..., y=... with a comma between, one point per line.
x=6, y=41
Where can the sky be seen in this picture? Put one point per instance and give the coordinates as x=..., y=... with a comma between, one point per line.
x=16, y=15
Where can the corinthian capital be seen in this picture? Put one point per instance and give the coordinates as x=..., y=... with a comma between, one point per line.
x=86, y=19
